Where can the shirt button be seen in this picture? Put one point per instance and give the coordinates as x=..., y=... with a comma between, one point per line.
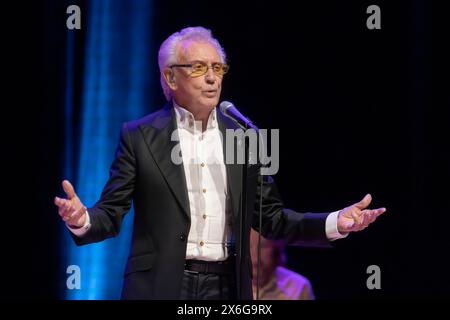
x=204, y=190
x=201, y=243
x=202, y=164
x=204, y=216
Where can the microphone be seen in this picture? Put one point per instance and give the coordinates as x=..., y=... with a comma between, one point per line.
x=233, y=113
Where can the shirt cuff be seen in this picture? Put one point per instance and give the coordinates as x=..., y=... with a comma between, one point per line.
x=84, y=229
x=331, y=227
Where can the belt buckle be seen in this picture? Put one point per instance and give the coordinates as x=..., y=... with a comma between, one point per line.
x=191, y=272
x=186, y=268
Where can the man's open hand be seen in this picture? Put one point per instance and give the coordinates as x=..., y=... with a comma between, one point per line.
x=356, y=217
x=71, y=210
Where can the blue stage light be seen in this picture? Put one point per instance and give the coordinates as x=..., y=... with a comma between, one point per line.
x=116, y=89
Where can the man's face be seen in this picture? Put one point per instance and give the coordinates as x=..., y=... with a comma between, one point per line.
x=198, y=94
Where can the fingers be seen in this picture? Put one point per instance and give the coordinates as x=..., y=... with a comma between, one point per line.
x=361, y=223
x=364, y=203
x=357, y=217
x=62, y=204
x=77, y=214
x=371, y=216
x=379, y=211
x=66, y=211
x=71, y=215
x=375, y=213
x=58, y=201
x=68, y=189
x=64, y=208
x=365, y=218
x=70, y=210
x=368, y=216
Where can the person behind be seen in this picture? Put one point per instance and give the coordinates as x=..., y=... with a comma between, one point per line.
x=185, y=241
x=276, y=282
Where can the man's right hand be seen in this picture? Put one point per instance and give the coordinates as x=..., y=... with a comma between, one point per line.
x=71, y=210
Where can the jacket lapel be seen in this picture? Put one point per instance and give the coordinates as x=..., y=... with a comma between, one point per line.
x=158, y=136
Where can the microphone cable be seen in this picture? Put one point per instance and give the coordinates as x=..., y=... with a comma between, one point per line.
x=258, y=260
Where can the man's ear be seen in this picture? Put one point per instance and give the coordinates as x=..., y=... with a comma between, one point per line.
x=169, y=76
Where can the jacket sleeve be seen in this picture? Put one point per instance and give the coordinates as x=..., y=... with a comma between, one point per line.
x=107, y=214
x=278, y=222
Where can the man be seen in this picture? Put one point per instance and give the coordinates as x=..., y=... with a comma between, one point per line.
x=186, y=242
x=275, y=281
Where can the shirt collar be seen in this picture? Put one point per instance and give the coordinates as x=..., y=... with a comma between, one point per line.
x=185, y=119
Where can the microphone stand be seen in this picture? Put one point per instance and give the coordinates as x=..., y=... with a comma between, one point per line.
x=243, y=215
x=245, y=125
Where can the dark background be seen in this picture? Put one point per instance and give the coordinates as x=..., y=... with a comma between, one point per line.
x=355, y=110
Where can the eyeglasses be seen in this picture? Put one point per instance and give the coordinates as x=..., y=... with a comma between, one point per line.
x=199, y=68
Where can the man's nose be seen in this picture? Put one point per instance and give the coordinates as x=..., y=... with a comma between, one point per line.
x=209, y=76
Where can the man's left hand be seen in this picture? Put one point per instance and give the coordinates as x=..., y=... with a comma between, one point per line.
x=356, y=217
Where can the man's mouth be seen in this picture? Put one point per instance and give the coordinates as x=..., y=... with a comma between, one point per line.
x=210, y=93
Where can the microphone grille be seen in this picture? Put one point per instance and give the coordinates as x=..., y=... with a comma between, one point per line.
x=224, y=105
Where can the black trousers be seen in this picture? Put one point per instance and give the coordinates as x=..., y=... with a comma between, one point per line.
x=207, y=286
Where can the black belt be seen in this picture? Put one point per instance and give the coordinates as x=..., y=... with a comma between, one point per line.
x=219, y=267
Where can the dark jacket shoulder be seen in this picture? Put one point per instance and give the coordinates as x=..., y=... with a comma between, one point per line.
x=157, y=119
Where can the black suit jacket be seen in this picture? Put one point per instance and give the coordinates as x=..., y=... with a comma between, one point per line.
x=143, y=172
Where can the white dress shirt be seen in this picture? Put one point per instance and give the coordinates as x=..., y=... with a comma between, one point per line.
x=206, y=181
